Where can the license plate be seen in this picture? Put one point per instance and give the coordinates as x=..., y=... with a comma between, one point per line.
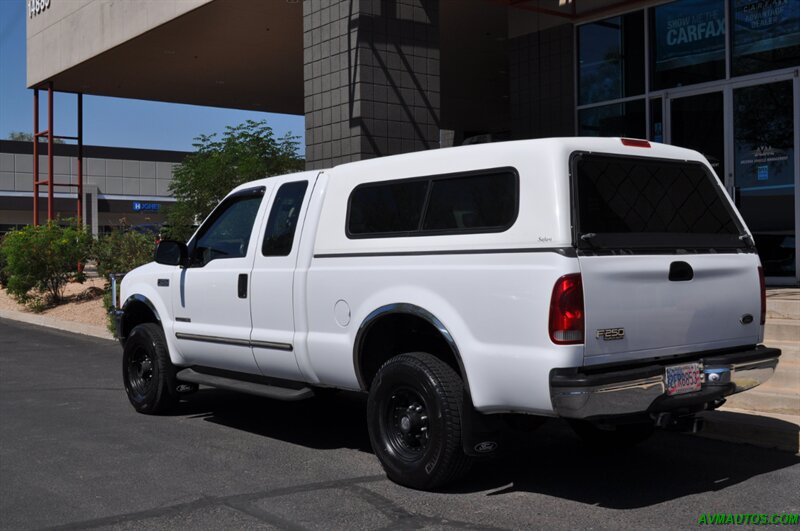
x=685, y=378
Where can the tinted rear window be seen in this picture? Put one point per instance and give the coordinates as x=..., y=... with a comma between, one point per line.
x=475, y=202
x=387, y=208
x=282, y=223
x=465, y=203
x=641, y=203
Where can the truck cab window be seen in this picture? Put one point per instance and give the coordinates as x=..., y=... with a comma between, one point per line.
x=226, y=234
x=283, y=218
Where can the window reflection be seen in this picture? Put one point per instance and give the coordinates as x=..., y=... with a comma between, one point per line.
x=688, y=42
x=763, y=131
x=618, y=119
x=611, y=58
x=766, y=35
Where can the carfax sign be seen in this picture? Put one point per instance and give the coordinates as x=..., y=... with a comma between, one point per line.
x=688, y=33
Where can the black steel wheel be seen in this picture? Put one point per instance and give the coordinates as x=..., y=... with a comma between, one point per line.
x=406, y=421
x=147, y=372
x=140, y=371
x=414, y=418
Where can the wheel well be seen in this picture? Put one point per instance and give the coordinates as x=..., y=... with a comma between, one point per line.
x=136, y=313
x=397, y=333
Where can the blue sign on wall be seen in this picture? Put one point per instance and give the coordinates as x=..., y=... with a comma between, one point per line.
x=689, y=32
x=145, y=207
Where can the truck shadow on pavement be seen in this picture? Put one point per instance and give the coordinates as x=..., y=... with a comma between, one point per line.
x=669, y=466
x=336, y=420
x=549, y=461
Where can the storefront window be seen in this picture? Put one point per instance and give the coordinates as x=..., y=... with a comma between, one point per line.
x=611, y=58
x=766, y=35
x=697, y=122
x=618, y=119
x=763, y=134
x=656, y=120
x=688, y=42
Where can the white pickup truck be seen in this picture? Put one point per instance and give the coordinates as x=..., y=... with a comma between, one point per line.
x=610, y=282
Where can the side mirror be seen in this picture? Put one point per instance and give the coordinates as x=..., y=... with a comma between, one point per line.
x=170, y=252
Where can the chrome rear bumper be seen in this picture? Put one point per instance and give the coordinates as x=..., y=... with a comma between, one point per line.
x=590, y=393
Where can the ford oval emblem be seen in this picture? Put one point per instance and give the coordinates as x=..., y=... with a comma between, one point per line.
x=485, y=447
x=746, y=319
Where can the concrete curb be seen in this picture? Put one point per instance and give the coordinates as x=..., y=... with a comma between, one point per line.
x=59, y=324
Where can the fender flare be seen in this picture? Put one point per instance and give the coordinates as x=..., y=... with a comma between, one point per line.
x=478, y=431
x=130, y=300
x=407, y=309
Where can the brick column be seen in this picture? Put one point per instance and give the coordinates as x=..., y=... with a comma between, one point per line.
x=371, y=78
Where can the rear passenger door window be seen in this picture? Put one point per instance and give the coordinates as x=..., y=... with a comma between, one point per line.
x=485, y=201
x=282, y=222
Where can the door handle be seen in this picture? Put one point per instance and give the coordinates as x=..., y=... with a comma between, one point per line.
x=242, y=288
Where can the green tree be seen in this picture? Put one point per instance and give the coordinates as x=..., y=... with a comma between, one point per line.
x=28, y=137
x=3, y=274
x=118, y=253
x=40, y=260
x=244, y=153
x=121, y=251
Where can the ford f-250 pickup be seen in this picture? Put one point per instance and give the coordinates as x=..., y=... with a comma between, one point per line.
x=610, y=282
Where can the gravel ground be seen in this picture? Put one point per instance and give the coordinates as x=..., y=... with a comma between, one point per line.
x=86, y=312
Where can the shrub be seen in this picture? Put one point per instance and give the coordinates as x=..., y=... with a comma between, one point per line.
x=40, y=260
x=122, y=251
x=3, y=274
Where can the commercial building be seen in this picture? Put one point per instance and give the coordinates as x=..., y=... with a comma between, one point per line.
x=122, y=186
x=378, y=77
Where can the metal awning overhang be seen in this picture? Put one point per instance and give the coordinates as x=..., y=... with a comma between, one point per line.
x=242, y=55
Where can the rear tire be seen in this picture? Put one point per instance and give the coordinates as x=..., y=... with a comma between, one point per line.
x=147, y=371
x=414, y=418
x=612, y=437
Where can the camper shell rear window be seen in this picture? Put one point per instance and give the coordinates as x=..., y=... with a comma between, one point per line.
x=624, y=202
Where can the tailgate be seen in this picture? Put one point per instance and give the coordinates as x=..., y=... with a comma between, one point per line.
x=668, y=266
x=662, y=317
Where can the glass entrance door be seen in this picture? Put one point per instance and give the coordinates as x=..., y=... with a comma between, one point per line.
x=697, y=122
x=754, y=151
x=764, y=171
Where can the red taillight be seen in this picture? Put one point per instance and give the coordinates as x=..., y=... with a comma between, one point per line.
x=763, y=286
x=566, y=311
x=635, y=142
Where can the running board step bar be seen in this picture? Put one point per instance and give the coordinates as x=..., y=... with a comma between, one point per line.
x=253, y=388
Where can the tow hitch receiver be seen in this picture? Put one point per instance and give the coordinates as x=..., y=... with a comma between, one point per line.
x=684, y=423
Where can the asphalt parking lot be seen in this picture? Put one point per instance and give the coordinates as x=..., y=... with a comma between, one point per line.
x=74, y=455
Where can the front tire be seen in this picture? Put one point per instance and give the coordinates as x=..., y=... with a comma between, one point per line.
x=147, y=371
x=414, y=418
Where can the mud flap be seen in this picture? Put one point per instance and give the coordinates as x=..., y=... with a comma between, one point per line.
x=481, y=435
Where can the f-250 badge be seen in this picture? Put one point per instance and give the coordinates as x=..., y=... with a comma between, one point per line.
x=609, y=334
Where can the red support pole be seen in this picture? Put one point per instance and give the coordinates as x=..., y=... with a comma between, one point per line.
x=50, y=152
x=35, y=156
x=80, y=157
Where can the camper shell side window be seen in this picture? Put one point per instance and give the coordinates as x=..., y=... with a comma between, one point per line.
x=459, y=203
